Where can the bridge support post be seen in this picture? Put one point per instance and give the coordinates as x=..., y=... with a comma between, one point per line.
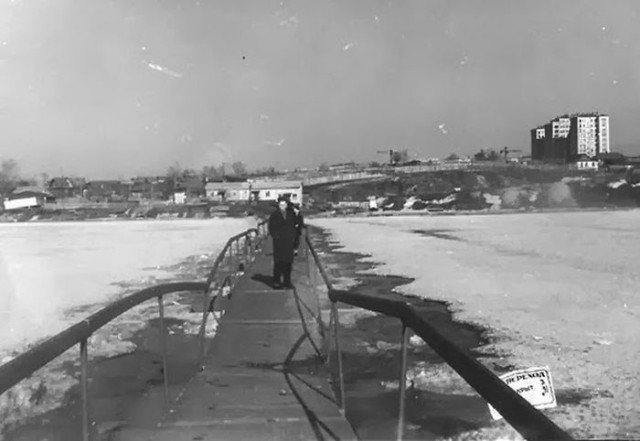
x=163, y=343
x=84, y=360
x=336, y=333
x=203, y=327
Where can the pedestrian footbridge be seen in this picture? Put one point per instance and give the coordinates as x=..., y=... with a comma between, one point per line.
x=273, y=371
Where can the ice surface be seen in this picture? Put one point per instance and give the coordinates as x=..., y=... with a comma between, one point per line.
x=53, y=274
x=553, y=287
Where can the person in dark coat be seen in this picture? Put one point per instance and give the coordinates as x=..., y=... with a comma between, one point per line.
x=299, y=226
x=282, y=228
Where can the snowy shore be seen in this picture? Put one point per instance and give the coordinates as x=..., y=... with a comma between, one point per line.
x=557, y=289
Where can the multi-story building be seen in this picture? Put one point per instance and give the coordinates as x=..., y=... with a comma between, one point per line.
x=568, y=137
x=603, y=134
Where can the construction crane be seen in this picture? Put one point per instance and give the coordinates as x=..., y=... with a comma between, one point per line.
x=505, y=152
x=390, y=153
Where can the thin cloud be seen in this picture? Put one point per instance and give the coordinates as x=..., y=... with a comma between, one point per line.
x=275, y=144
x=165, y=70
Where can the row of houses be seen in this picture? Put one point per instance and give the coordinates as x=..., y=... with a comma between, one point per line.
x=156, y=189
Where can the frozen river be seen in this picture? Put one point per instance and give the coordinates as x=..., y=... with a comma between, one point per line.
x=556, y=289
x=50, y=270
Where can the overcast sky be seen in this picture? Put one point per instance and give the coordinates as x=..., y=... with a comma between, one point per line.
x=115, y=88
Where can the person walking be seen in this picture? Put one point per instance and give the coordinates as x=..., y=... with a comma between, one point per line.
x=282, y=228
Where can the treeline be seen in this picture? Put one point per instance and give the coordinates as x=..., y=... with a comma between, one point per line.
x=11, y=178
x=216, y=173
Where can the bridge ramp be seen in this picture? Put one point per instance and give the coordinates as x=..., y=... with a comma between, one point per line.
x=263, y=378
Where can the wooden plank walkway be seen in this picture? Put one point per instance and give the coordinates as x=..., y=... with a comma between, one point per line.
x=263, y=379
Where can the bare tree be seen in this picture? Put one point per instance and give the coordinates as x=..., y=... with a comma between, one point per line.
x=400, y=156
x=8, y=175
x=239, y=168
x=175, y=171
x=213, y=173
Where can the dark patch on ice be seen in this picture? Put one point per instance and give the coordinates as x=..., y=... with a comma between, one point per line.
x=577, y=396
x=372, y=356
x=117, y=383
x=439, y=234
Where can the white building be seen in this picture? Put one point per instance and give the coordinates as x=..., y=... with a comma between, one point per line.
x=586, y=163
x=567, y=137
x=586, y=136
x=603, y=134
x=254, y=191
x=560, y=127
x=590, y=135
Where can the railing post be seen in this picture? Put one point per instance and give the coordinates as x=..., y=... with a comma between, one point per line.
x=205, y=314
x=163, y=343
x=245, y=246
x=84, y=361
x=309, y=262
x=403, y=382
x=327, y=342
x=336, y=333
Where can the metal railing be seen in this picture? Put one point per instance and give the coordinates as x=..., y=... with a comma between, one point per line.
x=523, y=417
x=239, y=249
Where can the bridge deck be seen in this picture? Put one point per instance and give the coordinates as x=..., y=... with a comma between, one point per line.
x=262, y=378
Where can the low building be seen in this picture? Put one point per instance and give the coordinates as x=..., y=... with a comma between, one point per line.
x=63, y=187
x=586, y=163
x=227, y=191
x=27, y=197
x=106, y=191
x=193, y=187
x=151, y=188
x=254, y=191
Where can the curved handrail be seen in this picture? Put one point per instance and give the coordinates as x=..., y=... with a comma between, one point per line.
x=227, y=246
x=27, y=363
x=33, y=359
x=526, y=419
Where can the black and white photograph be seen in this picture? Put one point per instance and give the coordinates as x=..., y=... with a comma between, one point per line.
x=319, y=220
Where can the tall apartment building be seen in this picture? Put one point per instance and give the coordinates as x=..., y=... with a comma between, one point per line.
x=568, y=137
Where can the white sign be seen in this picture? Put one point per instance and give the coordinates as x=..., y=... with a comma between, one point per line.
x=533, y=384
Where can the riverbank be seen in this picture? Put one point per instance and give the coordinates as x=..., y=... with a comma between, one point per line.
x=122, y=211
x=483, y=212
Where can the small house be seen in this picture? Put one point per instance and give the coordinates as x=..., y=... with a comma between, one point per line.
x=584, y=162
x=63, y=187
x=106, y=191
x=227, y=191
x=193, y=187
x=27, y=197
x=151, y=188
